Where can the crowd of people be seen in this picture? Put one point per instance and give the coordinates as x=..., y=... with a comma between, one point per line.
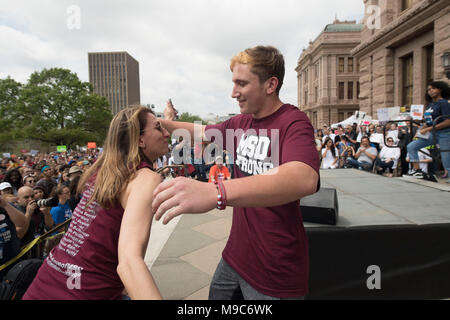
x=54, y=178
x=43, y=189
x=360, y=146
x=202, y=161
x=389, y=149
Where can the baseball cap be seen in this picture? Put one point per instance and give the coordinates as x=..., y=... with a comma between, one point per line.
x=5, y=185
x=219, y=159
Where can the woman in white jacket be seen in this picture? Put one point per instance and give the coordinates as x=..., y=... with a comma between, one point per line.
x=329, y=155
x=388, y=157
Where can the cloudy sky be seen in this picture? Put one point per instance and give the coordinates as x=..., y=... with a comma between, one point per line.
x=183, y=47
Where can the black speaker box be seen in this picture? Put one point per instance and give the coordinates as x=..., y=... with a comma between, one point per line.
x=321, y=207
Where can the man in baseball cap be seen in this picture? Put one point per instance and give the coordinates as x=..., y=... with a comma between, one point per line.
x=6, y=188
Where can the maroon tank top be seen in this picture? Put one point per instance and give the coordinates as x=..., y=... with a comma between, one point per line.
x=83, y=265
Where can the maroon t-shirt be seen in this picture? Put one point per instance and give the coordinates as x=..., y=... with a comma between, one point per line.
x=84, y=264
x=268, y=247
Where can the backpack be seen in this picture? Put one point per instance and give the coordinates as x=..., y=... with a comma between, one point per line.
x=19, y=278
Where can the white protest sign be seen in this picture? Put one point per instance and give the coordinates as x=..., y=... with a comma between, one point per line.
x=383, y=115
x=376, y=138
x=417, y=112
x=393, y=112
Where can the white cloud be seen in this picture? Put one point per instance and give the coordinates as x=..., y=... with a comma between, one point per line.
x=183, y=47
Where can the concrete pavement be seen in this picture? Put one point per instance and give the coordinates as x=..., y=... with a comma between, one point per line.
x=183, y=255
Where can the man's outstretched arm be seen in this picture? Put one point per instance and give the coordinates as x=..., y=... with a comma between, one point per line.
x=287, y=183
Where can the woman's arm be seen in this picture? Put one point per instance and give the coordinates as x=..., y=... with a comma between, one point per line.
x=444, y=124
x=134, y=235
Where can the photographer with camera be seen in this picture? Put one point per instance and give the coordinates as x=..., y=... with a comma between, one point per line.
x=38, y=216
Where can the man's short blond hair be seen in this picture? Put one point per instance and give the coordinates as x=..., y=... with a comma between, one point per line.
x=264, y=61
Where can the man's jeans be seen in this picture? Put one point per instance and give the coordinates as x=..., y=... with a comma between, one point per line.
x=359, y=164
x=443, y=139
x=228, y=285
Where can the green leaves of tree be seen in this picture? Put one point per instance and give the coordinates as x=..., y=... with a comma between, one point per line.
x=53, y=106
x=187, y=117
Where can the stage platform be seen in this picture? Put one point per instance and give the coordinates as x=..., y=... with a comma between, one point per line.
x=392, y=239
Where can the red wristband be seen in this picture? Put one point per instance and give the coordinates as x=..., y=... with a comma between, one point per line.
x=221, y=196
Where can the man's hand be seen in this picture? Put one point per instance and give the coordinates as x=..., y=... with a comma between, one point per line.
x=170, y=113
x=182, y=195
x=31, y=207
x=45, y=210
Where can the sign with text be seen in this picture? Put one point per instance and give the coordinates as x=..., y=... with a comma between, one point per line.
x=417, y=112
x=61, y=148
x=92, y=145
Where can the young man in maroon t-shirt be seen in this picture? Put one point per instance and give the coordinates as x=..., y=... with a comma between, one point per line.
x=276, y=164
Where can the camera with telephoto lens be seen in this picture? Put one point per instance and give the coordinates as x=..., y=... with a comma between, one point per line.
x=47, y=203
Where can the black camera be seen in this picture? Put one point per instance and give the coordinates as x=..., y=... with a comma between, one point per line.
x=49, y=202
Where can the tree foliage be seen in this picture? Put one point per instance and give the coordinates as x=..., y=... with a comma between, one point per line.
x=54, y=106
x=187, y=117
x=9, y=97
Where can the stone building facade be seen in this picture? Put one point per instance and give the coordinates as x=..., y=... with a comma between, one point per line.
x=328, y=76
x=400, y=53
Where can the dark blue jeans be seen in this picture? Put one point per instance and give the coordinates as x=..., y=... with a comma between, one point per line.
x=359, y=164
x=384, y=165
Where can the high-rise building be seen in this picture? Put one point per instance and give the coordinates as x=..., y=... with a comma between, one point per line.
x=115, y=76
x=328, y=76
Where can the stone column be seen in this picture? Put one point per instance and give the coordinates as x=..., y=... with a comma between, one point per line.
x=325, y=97
x=333, y=87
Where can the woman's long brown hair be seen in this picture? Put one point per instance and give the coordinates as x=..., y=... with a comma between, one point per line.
x=121, y=156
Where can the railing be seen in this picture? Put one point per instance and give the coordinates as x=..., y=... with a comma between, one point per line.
x=411, y=122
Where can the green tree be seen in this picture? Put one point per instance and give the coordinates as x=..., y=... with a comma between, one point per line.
x=187, y=117
x=9, y=97
x=56, y=107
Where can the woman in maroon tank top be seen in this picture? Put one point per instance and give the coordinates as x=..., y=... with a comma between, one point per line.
x=103, y=251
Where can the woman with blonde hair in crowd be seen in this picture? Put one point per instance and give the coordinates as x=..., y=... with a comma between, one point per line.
x=103, y=250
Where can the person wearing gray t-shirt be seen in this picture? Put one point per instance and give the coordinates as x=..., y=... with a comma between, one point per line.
x=365, y=156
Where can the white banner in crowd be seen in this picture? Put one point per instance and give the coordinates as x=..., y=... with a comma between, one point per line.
x=34, y=152
x=383, y=115
x=6, y=155
x=394, y=113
